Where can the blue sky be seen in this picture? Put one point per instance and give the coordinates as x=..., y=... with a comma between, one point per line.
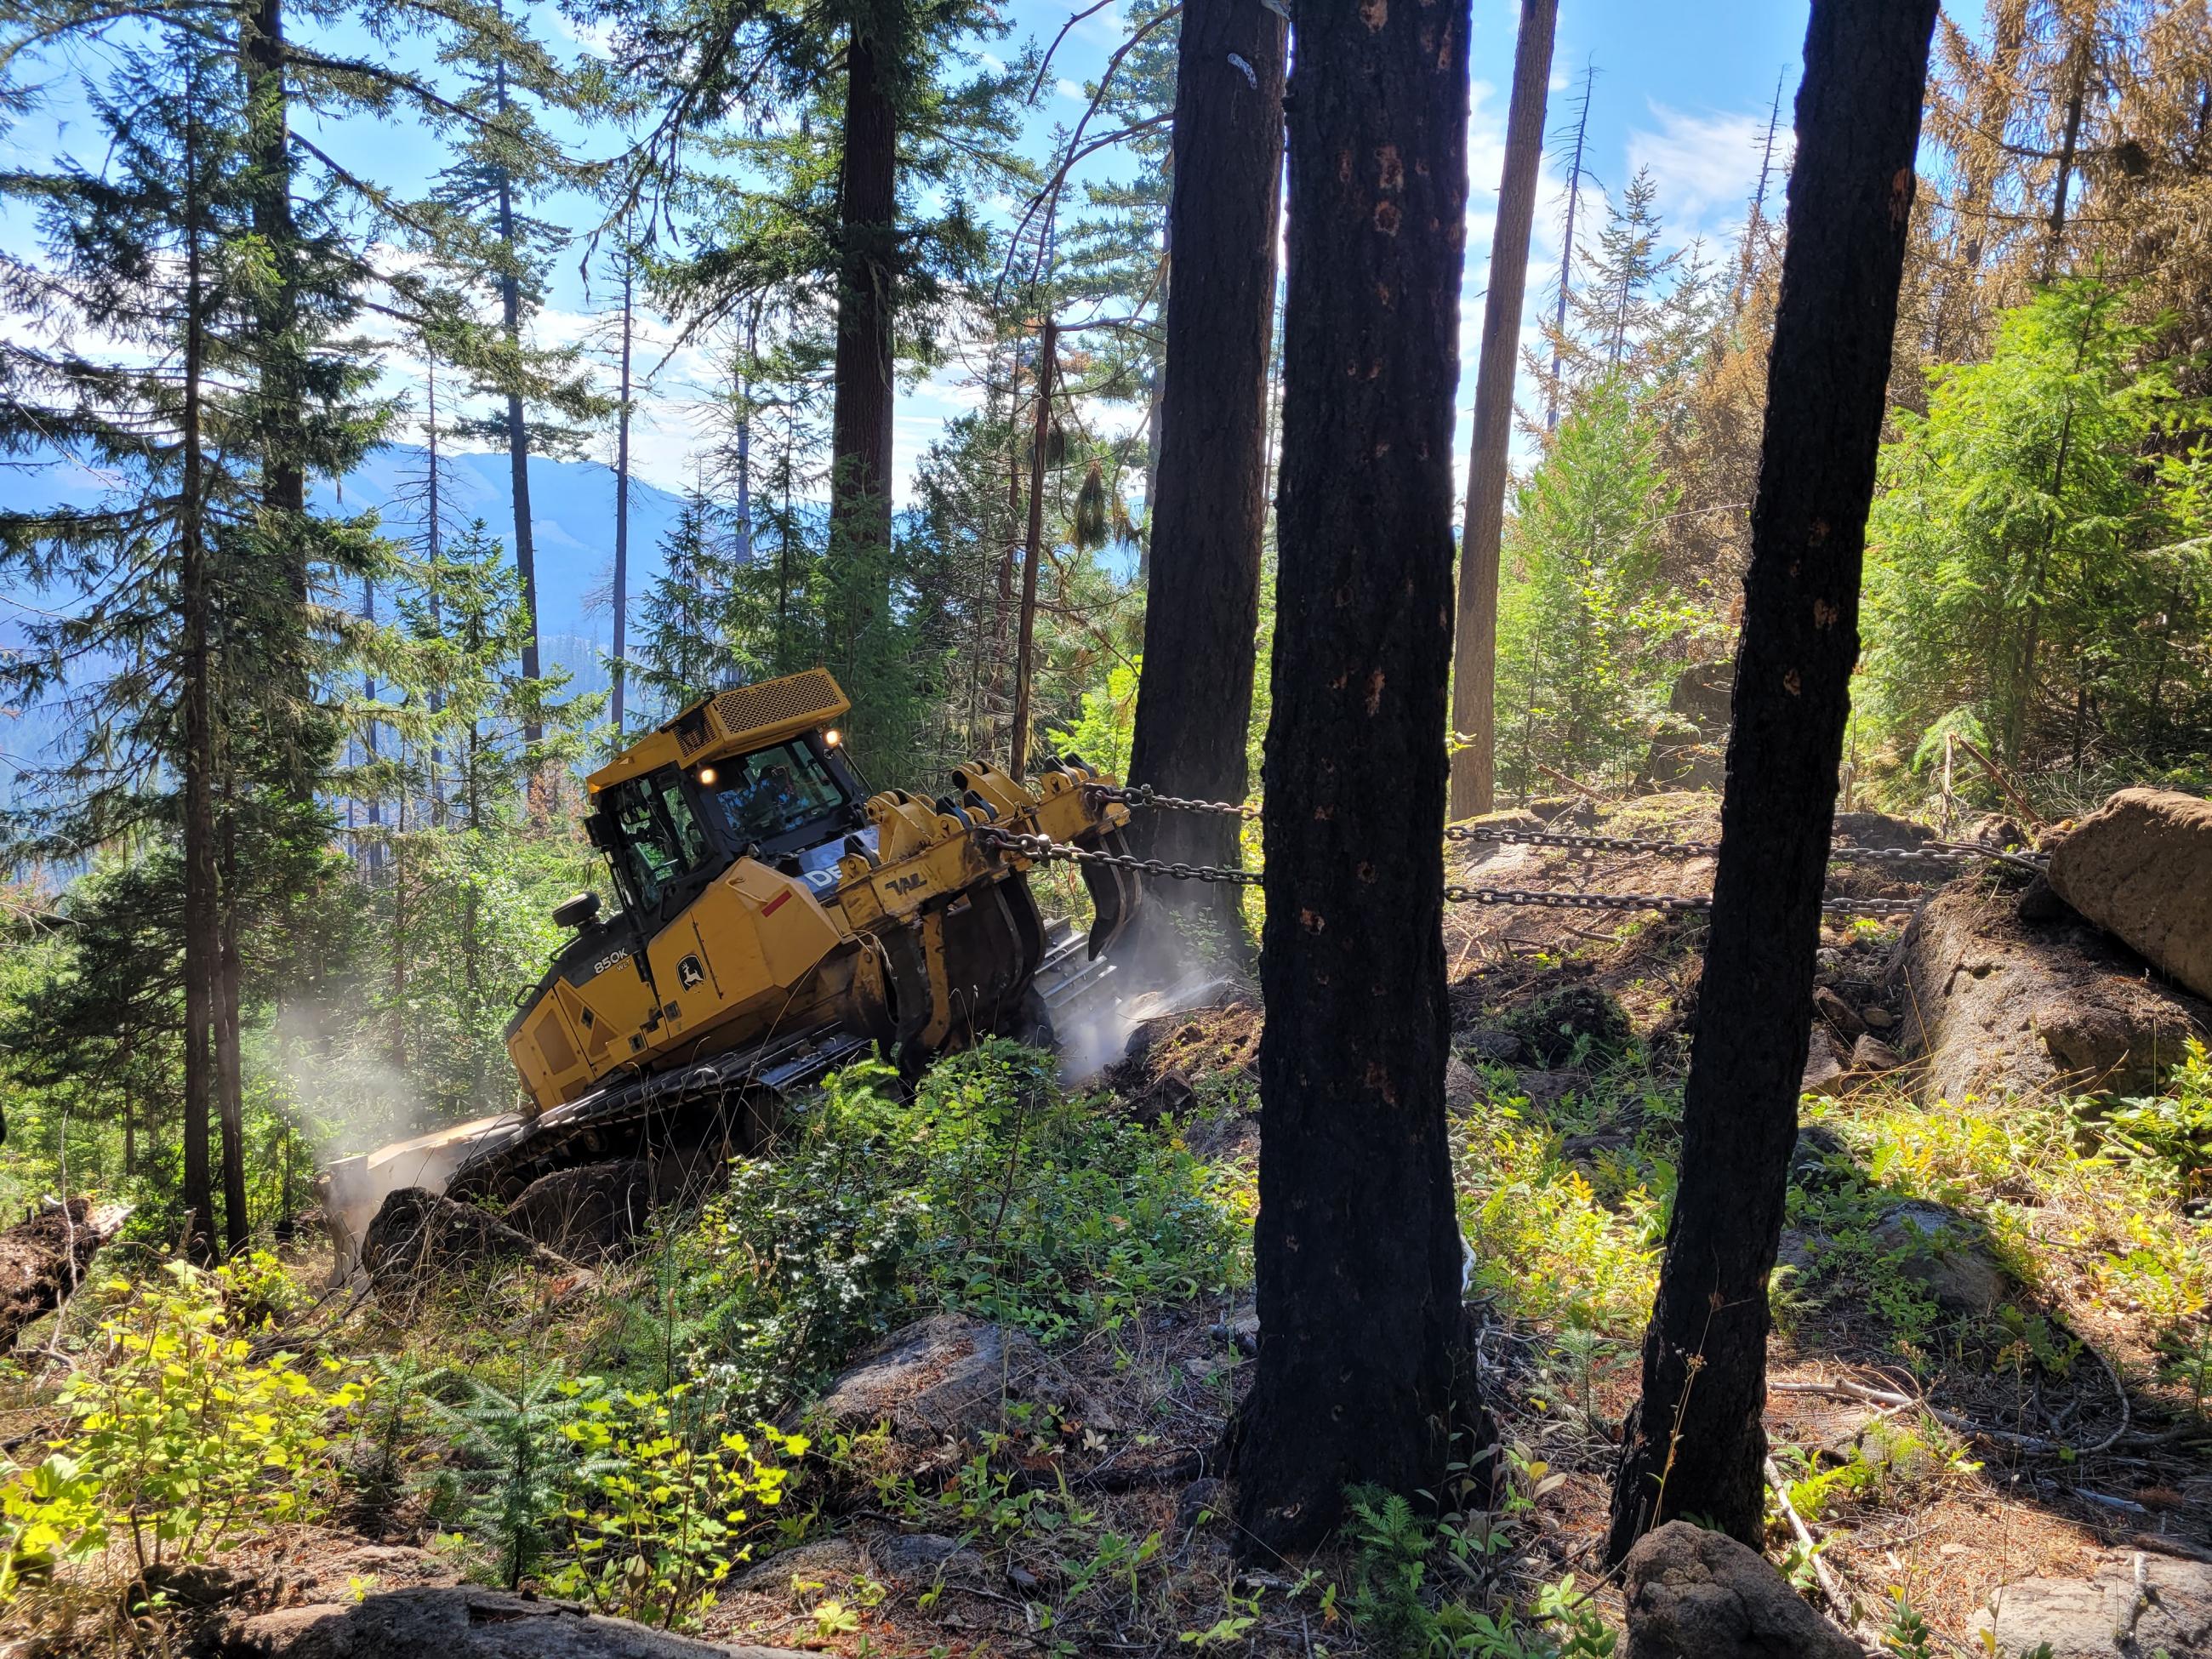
x=1682, y=88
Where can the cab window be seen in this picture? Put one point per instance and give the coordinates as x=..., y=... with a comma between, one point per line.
x=773, y=793
x=661, y=837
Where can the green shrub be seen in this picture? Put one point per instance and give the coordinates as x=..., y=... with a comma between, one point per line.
x=180, y=1440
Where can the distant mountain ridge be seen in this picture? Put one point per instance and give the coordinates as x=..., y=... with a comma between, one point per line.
x=572, y=513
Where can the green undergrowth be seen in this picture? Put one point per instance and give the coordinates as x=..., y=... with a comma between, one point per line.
x=988, y=1190
x=616, y=1445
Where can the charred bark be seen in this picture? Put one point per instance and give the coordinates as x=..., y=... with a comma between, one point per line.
x=229, y=1070
x=268, y=130
x=1018, y=764
x=1696, y=1442
x=621, y=500
x=1209, y=507
x=1475, y=669
x=1358, y=1247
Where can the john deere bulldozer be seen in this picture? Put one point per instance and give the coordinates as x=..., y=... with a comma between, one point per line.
x=773, y=919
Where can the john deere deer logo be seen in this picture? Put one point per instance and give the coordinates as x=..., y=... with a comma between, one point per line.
x=689, y=973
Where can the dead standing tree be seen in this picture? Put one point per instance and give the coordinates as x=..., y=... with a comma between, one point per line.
x=1358, y=1245
x=1696, y=1443
x=1475, y=672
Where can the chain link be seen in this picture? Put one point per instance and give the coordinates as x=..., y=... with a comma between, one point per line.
x=1044, y=849
x=1933, y=852
x=1143, y=794
x=1944, y=852
x=1670, y=903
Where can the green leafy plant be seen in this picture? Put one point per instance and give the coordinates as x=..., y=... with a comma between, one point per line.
x=665, y=1503
x=179, y=1438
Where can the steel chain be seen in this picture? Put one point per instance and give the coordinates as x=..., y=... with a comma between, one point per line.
x=1045, y=850
x=1933, y=852
x=1930, y=851
x=1670, y=904
x=1143, y=794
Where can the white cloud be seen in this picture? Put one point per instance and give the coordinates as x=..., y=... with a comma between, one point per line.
x=1705, y=166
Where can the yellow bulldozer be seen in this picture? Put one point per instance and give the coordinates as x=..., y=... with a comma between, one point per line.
x=774, y=920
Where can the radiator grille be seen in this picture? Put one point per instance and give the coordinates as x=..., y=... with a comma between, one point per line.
x=811, y=696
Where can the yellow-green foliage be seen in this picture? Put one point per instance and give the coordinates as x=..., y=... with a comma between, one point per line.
x=663, y=1517
x=2068, y=1197
x=181, y=1437
x=1545, y=1245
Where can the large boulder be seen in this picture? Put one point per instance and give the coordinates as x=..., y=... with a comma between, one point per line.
x=1993, y=1004
x=1697, y=1595
x=2140, y=866
x=458, y=1623
x=2133, y=1605
x=1945, y=1254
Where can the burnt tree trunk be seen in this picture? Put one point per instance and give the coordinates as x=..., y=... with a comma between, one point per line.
x=230, y=1070
x=1474, y=668
x=1695, y=1444
x=268, y=130
x=862, y=369
x=1358, y=1247
x=1017, y=763
x=1209, y=507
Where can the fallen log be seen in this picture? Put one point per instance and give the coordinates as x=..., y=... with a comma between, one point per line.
x=43, y=1260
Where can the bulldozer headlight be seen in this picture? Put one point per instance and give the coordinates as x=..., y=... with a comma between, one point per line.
x=833, y=737
x=707, y=776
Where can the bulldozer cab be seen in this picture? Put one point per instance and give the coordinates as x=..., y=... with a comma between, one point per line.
x=792, y=805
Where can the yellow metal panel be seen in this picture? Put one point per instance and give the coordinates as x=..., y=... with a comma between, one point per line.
x=755, y=715
x=736, y=721
x=648, y=754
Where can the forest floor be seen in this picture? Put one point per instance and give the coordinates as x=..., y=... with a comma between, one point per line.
x=2052, y=1343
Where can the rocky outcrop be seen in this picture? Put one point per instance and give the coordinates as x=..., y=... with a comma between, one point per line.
x=1992, y=1003
x=2141, y=867
x=1697, y=1595
x=457, y=1623
x=2134, y=1605
x=1945, y=1254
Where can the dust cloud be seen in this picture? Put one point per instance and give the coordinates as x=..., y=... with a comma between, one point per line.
x=1155, y=972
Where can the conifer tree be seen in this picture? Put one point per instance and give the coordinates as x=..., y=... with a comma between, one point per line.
x=869, y=126
x=177, y=578
x=682, y=651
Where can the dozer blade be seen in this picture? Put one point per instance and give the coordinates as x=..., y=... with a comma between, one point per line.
x=1115, y=893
